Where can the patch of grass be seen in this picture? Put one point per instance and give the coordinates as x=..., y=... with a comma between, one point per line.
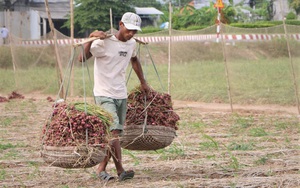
x=270, y=172
x=240, y=146
x=5, y=121
x=234, y=163
x=131, y=155
x=211, y=156
x=171, y=152
x=34, y=174
x=210, y=144
x=244, y=122
x=261, y=161
x=257, y=132
x=7, y=146
x=64, y=186
x=2, y=174
x=33, y=163
x=285, y=125
x=198, y=125
x=11, y=154
x=241, y=123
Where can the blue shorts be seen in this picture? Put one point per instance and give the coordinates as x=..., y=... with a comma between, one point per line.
x=117, y=108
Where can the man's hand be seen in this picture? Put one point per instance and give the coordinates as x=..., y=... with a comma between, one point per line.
x=82, y=57
x=145, y=88
x=99, y=34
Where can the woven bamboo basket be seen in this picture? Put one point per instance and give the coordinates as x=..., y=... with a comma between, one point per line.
x=73, y=156
x=155, y=137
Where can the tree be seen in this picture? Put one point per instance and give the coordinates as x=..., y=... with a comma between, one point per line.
x=143, y=3
x=92, y=15
x=295, y=4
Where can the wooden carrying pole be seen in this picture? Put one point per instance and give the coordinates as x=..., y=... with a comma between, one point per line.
x=95, y=38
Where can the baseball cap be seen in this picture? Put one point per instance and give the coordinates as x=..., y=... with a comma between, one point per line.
x=131, y=21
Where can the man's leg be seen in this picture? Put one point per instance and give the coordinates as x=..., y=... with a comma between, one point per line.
x=117, y=108
x=117, y=151
x=111, y=106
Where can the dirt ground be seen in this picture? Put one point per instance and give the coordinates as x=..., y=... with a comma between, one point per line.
x=251, y=146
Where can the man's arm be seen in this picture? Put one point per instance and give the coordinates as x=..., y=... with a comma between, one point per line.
x=87, y=46
x=136, y=65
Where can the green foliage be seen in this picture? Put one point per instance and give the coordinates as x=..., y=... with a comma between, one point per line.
x=189, y=16
x=291, y=16
x=252, y=25
x=149, y=29
x=295, y=4
x=143, y=3
x=91, y=15
x=194, y=27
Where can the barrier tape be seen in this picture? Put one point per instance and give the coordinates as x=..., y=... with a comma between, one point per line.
x=195, y=38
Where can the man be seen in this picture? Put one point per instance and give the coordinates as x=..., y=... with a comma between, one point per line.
x=4, y=34
x=112, y=56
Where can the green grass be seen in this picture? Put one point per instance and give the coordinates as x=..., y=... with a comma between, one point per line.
x=243, y=146
x=7, y=146
x=257, y=132
x=250, y=80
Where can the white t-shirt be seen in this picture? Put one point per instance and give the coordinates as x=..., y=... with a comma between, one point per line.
x=112, y=57
x=4, y=32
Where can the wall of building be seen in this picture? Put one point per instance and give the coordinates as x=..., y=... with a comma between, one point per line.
x=25, y=25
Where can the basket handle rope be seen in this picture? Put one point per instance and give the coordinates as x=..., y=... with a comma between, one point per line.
x=145, y=122
x=68, y=77
x=70, y=64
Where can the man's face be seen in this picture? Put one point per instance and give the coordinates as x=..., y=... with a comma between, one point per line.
x=127, y=34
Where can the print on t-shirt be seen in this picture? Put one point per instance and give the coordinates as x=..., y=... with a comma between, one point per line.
x=122, y=53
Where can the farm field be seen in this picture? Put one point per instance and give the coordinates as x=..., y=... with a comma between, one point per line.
x=255, y=146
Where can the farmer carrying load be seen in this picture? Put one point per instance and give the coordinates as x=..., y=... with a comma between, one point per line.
x=112, y=56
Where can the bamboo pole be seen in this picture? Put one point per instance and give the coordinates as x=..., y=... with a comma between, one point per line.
x=7, y=12
x=226, y=69
x=89, y=40
x=72, y=42
x=111, y=21
x=291, y=59
x=58, y=61
x=169, y=48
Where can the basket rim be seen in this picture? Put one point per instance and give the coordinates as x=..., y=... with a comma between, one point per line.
x=149, y=127
x=68, y=148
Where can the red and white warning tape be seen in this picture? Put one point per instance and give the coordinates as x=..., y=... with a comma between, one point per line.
x=195, y=38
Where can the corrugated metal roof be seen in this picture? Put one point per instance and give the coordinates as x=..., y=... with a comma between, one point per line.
x=147, y=11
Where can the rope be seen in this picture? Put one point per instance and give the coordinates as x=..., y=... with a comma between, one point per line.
x=84, y=92
x=155, y=68
x=60, y=88
x=145, y=97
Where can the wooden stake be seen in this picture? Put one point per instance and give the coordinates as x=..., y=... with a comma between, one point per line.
x=169, y=56
x=72, y=41
x=58, y=61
